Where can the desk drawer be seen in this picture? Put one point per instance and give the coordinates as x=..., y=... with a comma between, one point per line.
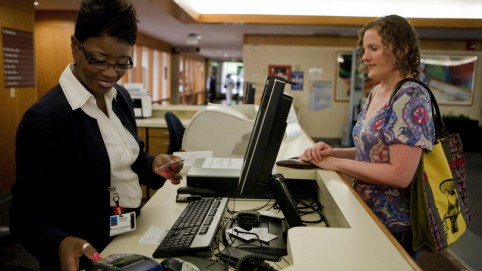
x=158, y=139
x=159, y=132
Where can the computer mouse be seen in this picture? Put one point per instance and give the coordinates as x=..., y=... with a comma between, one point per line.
x=176, y=264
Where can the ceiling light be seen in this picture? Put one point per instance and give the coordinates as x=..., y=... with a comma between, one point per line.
x=193, y=39
x=469, y=9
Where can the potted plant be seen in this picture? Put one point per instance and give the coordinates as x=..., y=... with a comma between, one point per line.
x=467, y=129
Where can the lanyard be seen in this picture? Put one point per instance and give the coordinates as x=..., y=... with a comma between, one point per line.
x=115, y=197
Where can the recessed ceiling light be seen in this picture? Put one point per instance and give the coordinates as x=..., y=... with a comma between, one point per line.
x=193, y=39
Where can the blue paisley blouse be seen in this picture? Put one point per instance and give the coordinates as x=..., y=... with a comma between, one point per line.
x=407, y=121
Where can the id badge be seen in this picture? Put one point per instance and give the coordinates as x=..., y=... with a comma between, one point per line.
x=122, y=223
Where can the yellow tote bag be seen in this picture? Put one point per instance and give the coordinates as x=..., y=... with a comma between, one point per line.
x=439, y=203
x=443, y=213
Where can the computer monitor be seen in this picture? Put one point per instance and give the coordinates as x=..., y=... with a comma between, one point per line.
x=249, y=93
x=263, y=147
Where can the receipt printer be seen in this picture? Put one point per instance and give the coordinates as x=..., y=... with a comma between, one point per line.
x=140, y=99
x=131, y=262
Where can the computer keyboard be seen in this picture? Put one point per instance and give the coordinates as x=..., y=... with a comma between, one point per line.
x=195, y=228
x=224, y=163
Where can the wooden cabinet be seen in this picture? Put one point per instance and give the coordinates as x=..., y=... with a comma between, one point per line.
x=142, y=132
x=157, y=141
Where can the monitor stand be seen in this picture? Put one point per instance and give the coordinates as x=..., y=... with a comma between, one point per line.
x=275, y=247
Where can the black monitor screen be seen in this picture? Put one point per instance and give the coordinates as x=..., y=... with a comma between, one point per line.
x=263, y=147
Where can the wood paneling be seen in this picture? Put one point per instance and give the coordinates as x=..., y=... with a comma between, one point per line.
x=336, y=41
x=332, y=20
x=150, y=42
x=52, y=51
x=18, y=14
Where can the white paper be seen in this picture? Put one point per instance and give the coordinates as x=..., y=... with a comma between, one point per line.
x=154, y=235
x=278, y=215
x=191, y=156
x=293, y=129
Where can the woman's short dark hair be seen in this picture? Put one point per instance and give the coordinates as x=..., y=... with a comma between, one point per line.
x=399, y=35
x=114, y=18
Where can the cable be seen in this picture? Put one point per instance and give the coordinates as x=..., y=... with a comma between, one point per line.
x=253, y=209
x=310, y=208
x=247, y=232
x=305, y=200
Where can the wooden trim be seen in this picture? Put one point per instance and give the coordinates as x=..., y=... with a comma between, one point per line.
x=331, y=20
x=150, y=70
x=137, y=74
x=148, y=41
x=173, y=9
x=56, y=17
x=167, y=75
x=444, y=44
x=337, y=41
x=377, y=221
x=20, y=5
x=300, y=40
x=159, y=75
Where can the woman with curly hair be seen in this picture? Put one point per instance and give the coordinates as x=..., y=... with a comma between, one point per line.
x=389, y=139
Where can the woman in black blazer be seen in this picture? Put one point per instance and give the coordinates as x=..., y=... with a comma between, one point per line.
x=79, y=159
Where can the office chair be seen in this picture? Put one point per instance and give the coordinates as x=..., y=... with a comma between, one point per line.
x=176, y=132
x=13, y=256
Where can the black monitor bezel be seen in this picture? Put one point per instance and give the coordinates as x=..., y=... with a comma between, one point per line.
x=263, y=147
x=249, y=93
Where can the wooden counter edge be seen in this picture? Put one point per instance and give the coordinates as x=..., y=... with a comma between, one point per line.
x=392, y=239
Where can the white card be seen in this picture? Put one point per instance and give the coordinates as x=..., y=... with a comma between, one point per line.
x=122, y=223
x=154, y=235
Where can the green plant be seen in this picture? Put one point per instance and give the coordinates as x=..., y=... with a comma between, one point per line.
x=452, y=116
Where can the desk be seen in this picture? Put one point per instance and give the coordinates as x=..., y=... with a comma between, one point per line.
x=354, y=240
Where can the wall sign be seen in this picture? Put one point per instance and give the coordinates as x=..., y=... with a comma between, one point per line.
x=18, y=60
x=297, y=77
x=280, y=70
x=175, y=50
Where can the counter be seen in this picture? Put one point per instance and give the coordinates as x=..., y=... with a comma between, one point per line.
x=354, y=240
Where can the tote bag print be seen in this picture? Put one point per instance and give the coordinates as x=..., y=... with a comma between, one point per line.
x=444, y=193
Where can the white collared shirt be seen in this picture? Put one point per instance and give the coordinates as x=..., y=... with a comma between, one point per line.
x=121, y=145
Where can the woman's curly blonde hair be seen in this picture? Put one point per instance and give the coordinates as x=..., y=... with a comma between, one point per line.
x=398, y=35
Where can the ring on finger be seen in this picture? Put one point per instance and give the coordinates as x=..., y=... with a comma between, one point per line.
x=84, y=246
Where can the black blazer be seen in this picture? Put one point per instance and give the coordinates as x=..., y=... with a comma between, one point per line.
x=63, y=173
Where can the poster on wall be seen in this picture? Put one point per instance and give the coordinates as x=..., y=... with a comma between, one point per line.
x=18, y=58
x=320, y=96
x=280, y=70
x=343, y=76
x=451, y=78
x=297, y=77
